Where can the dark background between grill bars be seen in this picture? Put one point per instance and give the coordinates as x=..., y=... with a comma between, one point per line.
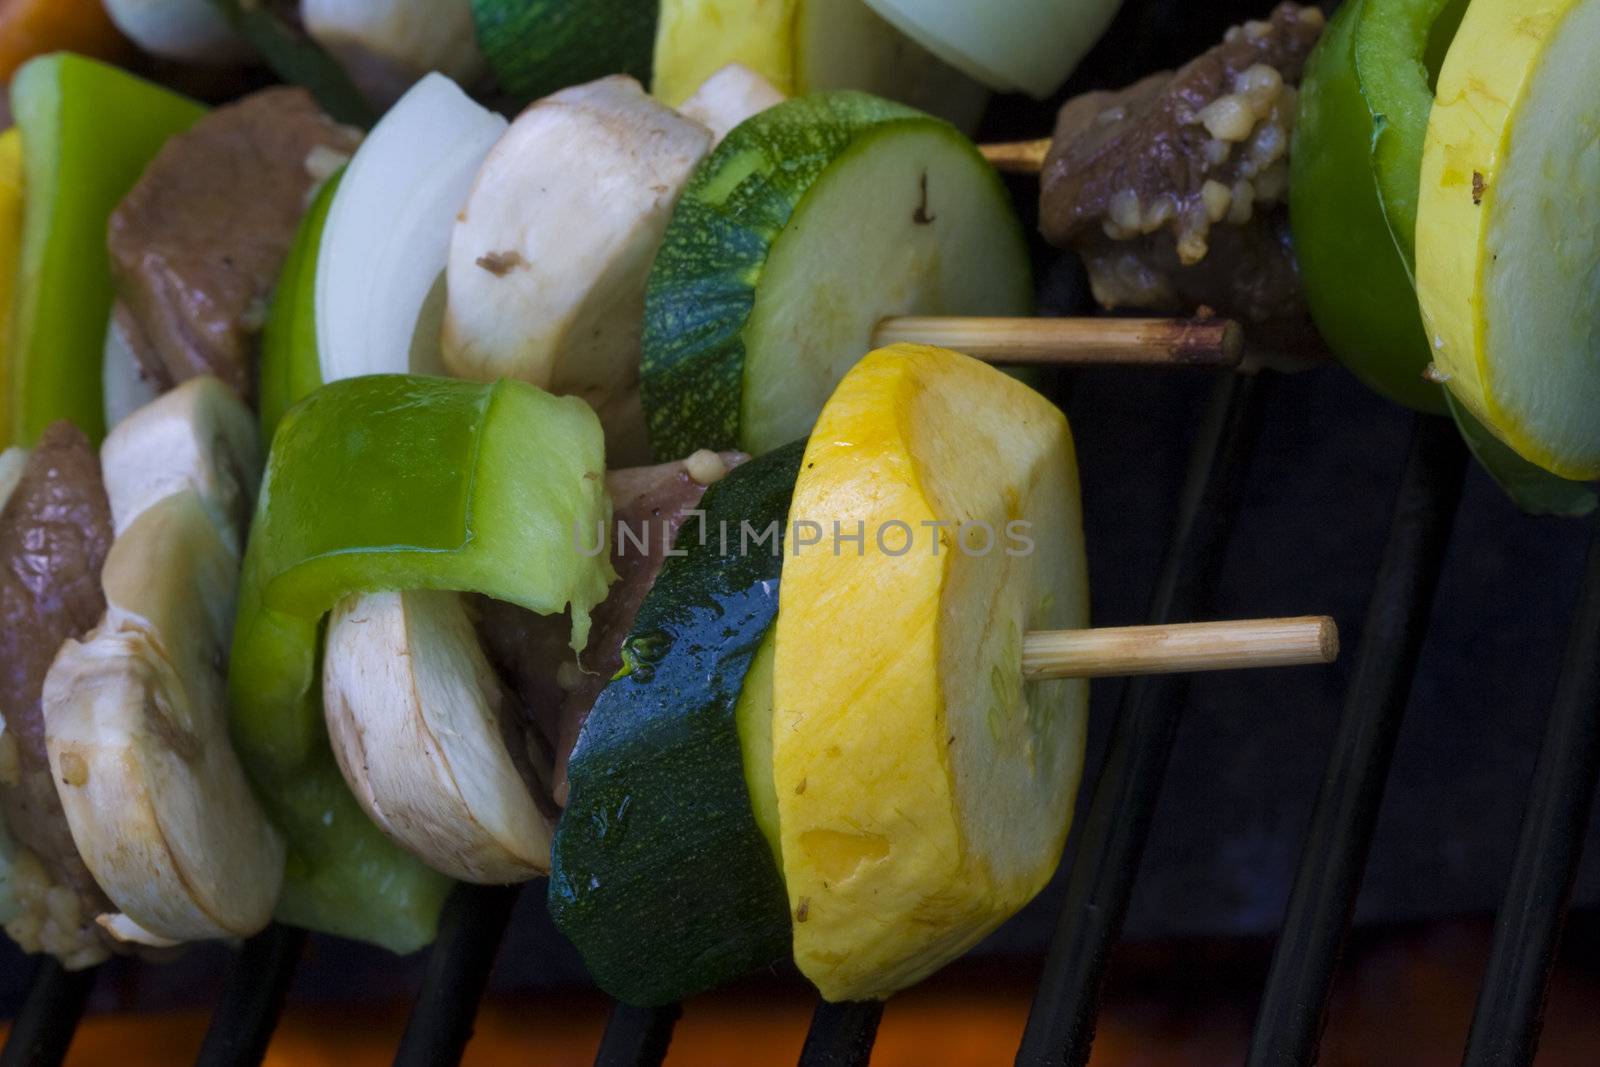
x=1315, y=473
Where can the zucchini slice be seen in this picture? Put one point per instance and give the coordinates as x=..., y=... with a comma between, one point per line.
x=809, y=224
x=924, y=791
x=536, y=47
x=662, y=874
x=1508, y=227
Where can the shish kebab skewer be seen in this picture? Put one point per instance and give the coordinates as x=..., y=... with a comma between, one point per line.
x=1409, y=239
x=909, y=700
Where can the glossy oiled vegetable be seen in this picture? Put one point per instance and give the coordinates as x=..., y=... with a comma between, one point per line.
x=661, y=875
x=88, y=131
x=1508, y=227
x=394, y=483
x=924, y=790
x=809, y=224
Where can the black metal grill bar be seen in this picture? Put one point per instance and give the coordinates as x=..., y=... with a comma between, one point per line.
x=842, y=1035
x=42, y=1031
x=637, y=1037
x=470, y=930
x=1289, y=1022
x=1505, y=1027
x=1061, y=1022
x=252, y=998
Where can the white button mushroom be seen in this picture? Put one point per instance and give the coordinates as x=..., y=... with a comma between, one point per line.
x=136, y=730
x=420, y=725
x=550, y=256
x=135, y=713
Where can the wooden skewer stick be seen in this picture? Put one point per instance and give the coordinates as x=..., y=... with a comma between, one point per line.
x=1017, y=157
x=1200, y=646
x=1168, y=342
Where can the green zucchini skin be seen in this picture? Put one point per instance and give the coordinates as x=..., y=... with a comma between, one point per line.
x=792, y=241
x=535, y=47
x=659, y=873
x=702, y=287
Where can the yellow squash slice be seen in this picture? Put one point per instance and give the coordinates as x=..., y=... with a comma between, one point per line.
x=924, y=792
x=1508, y=227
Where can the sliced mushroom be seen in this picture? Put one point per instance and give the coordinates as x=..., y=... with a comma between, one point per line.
x=387, y=45
x=549, y=258
x=136, y=730
x=728, y=97
x=423, y=733
x=198, y=436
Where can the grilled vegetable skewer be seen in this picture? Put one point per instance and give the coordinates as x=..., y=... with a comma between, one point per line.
x=1370, y=254
x=875, y=718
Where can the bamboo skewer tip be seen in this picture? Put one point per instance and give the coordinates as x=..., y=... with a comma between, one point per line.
x=1204, y=341
x=1179, y=647
x=1017, y=157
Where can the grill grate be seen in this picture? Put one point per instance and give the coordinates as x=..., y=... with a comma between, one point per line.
x=1289, y=1025
x=252, y=998
x=1061, y=1022
x=43, y=1028
x=1505, y=1027
x=1112, y=831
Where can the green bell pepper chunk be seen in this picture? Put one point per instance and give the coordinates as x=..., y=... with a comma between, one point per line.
x=1399, y=47
x=290, y=367
x=395, y=482
x=1356, y=283
x=88, y=132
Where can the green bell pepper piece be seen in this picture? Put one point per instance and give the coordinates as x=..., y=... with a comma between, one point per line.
x=290, y=367
x=88, y=132
x=1399, y=47
x=395, y=482
x=1356, y=283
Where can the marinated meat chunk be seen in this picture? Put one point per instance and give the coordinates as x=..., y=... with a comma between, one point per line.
x=556, y=688
x=1248, y=274
x=55, y=531
x=1174, y=190
x=197, y=245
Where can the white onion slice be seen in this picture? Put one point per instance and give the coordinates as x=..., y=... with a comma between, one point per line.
x=190, y=31
x=1010, y=45
x=388, y=232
